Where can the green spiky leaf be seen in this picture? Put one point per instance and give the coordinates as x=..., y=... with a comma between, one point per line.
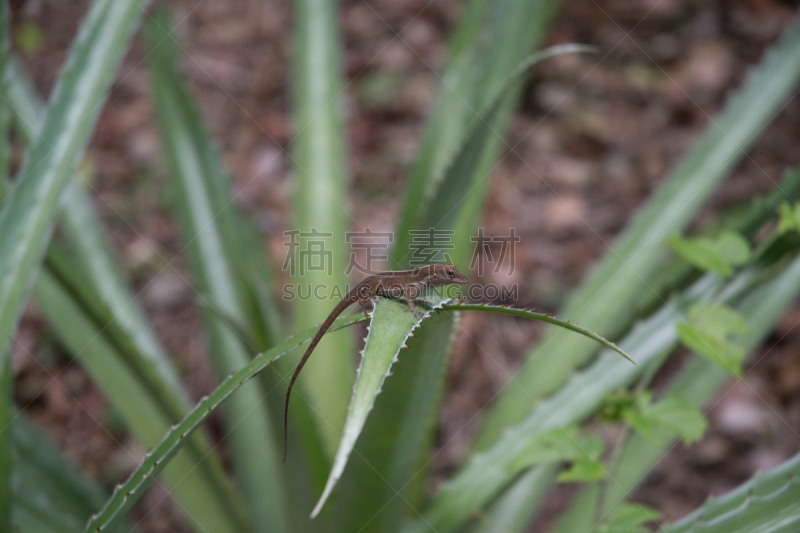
x=391, y=325
x=29, y=212
x=769, y=502
x=128, y=493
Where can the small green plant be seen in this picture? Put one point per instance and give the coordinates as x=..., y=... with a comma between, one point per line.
x=357, y=458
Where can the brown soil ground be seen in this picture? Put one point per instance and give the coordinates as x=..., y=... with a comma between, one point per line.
x=592, y=138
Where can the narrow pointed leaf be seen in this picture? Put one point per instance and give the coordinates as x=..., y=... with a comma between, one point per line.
x=375, y=486
x=477, y=69
x=506, y=512
x=320, y=204
x=542, y=317
x=207, y=505
x=115, y=307
x=128, y=493
x=102, y=299
x=254, y=455
x=30, y=209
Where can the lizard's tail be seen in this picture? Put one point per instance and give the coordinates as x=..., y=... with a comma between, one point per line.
x=323, y=328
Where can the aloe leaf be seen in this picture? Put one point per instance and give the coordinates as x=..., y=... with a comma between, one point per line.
x=605, y=299
x=122, y=319
x=117, y=313
x=103, y=296
x=505, y=514
x=476, y=69
x=469, y=148
x=29, y=211
x=241, y=241
x=207, y=504
x=319, y=204
x=5, y=112
x=119, y=316
x=376, y=483
x=769, y=502
x=6, y=460
x=542, y=317
x=128, y=493
x=82, y=328
x=391, y=325
x=255, y=459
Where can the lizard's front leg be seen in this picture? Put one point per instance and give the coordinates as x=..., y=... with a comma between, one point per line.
x=367, y=304
x=410, y=295
x=368, y=299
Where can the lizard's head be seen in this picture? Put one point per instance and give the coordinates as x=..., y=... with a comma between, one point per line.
x=446, y=274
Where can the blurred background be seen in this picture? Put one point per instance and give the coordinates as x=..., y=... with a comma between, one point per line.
x=591, y=138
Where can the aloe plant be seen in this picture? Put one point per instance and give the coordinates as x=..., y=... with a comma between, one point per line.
x=366, y=468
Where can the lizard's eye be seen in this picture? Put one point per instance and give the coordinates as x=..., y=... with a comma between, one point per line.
x=450, y=273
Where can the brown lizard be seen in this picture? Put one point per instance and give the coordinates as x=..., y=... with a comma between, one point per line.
x=405, y=284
